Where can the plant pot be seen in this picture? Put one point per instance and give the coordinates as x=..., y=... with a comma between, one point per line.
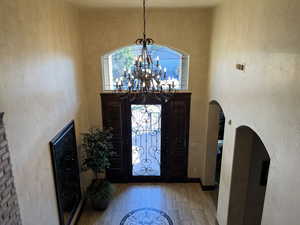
x=100, y=193
x=100, y=204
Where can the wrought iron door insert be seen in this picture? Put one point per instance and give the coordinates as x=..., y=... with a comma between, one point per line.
x=146, y=140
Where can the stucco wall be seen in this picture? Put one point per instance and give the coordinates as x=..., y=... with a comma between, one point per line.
x=188, y=30
x=265, y=35
x=41, y=89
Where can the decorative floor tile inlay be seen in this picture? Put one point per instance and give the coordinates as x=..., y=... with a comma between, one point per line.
x=146, y=216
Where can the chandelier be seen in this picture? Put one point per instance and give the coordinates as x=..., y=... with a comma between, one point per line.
x=146, y=76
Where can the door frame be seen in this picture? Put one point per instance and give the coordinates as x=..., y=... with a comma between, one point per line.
x=116, y=113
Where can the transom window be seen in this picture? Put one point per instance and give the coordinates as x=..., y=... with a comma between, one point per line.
x=114, y=63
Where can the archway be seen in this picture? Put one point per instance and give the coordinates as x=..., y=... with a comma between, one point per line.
x=215, y=139
x=249, y=178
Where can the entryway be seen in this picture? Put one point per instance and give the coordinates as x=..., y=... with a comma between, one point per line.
x=249, y=178
x=150, y=136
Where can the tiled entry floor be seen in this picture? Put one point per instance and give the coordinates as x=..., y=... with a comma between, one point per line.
x=183, y=203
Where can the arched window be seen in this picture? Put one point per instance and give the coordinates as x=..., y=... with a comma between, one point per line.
x=113, y=64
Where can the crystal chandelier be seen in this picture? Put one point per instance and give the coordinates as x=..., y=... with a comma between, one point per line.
x=145, y=75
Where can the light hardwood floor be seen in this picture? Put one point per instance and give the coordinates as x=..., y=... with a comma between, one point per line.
x=185, y=203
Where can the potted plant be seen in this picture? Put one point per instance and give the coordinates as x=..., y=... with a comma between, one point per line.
x=98, y=148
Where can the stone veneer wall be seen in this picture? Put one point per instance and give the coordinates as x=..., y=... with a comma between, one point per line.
x=9, y=208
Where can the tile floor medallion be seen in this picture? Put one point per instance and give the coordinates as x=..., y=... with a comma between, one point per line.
x=146, y=216
x=180, y=203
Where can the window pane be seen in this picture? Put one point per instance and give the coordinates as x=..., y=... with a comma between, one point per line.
x=115, y=63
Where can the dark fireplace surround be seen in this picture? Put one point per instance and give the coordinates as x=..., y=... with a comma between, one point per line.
x=9, y=207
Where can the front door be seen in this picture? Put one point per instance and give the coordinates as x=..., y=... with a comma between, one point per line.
x=146, y=136
x=150, y=137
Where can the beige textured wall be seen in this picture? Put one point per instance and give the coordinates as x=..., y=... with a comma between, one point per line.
x=41, y=89
x=265, y=35
x=188, y=30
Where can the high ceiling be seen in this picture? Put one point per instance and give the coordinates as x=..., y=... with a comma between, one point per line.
x=150, y=3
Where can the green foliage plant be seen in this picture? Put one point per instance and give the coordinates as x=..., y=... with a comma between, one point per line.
x=98, y=148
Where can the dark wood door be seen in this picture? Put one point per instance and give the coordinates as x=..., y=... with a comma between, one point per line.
x=116, y=113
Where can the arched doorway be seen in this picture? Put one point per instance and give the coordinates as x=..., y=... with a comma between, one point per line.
x=249, y=178
x=215, y=140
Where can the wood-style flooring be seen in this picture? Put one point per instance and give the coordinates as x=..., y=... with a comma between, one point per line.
x=185, y=203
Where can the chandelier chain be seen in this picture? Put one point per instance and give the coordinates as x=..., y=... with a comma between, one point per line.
x=144, y=11
x=146, y=76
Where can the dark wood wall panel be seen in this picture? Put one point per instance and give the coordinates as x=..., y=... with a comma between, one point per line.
x=112, y=110
x=177, y=135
